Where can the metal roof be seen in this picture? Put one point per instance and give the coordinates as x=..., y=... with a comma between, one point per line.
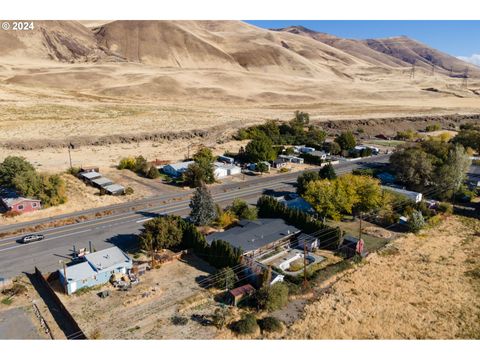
x=79, y=271
x=90, y=175
x=252, y=235
x=181, y=166
x=221, y=165
x=102, y=181
x=242, y=290
x=114, y=188
x=108, y=258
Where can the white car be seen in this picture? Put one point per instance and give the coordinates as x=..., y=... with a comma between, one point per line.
x=32, y=238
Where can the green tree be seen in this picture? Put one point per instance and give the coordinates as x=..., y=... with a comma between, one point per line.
x=346, y=140
x=413, y=166
x=260, y=149
x=203, y=207
x=194, y=176
x=323, y=196
x=304, y=179
x=327, y=172
x=153, y=173
x=225, y=278
x=162, y=232
x=241, y=209
x=13, y=166
x=204, y=160
x=302, y=118
x=247, y=325
x=333, y=148
x=469, y=138
x=273, y=297
x=450, y=176
x=416, y=222
x=368, y=192
x=261, y=167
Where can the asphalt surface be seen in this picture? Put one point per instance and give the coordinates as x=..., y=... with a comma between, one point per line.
x=120, y=229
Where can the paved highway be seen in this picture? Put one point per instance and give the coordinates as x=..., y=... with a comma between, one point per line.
x=120, y=229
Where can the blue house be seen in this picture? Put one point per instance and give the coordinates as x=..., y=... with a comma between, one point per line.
x=97, y=269
x=176, y=170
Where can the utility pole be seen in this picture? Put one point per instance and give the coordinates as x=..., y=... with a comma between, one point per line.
x=465, y=78
x=70, y=156
x=433, y=69
x=360, y=227
x=412, y=71
x=305, y=281
x=451, y=71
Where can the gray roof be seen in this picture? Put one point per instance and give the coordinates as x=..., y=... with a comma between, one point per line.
x=108, y=258
x=79, y=271
x=298, y=203
x=221, y=165
x=181, y=166
x=114, y=188
x=252, y=235
x=318, y=153
x=90, y=175
x=102, y=181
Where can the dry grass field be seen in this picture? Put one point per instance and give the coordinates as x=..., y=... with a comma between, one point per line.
x=422, y=286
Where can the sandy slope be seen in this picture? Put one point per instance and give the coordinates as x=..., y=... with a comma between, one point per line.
x=66, y=81
x=420, y=292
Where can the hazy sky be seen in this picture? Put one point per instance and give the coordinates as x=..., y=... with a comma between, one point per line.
x=458, y=38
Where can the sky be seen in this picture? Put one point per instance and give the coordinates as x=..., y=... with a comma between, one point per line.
x=457, y=38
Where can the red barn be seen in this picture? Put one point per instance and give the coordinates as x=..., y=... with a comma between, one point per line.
x=11, y=201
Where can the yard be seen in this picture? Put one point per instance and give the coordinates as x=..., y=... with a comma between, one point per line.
x=146, y=311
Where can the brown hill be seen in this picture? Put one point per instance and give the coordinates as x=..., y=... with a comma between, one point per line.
x=392, y=52
x=411, y=51
x=130, y=77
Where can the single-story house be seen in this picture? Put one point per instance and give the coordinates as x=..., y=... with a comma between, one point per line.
x=226, y=159
x=97, y=269
x=320, y=154
x=222, y=170
x=279, y=163
x=10, y=200
x=235, y=296
x=303, y=149
x=176, y=170
x=253, y=236
x=412, y=195
x=296, y=202
x=292, y=159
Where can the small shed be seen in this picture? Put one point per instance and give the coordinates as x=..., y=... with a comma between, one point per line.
x=237, y=295
x=351, y=246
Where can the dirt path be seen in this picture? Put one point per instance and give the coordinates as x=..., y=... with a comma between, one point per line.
x=424, y=286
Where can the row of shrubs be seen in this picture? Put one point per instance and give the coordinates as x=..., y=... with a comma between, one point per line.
x=250, y=325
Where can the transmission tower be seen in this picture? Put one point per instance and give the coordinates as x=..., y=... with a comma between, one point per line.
x=465, y=78
x=451, y=71
x=412, y=72
x=433, y=69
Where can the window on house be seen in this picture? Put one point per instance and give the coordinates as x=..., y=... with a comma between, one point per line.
x=20, y=207
x=34, y=205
